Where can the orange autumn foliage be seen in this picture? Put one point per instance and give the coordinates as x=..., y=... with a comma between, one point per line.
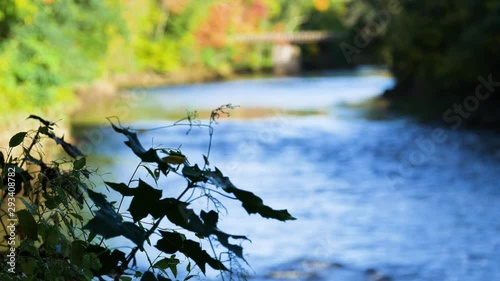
x=321, y=5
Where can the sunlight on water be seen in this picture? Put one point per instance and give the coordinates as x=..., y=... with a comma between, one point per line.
x=362, y=212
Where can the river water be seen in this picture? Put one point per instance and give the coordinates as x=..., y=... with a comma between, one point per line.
x=373, y=197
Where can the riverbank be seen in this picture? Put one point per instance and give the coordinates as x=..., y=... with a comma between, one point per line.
x=461, y=107
x=112, y=97
x=127, y=98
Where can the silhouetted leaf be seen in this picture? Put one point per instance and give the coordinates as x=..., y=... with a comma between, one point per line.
x=17, y=139
x=70, y=149
x=205, y=159
x=173, y=241
x=194, y=173
x=178, y=213
x=251, y=202
x=27, y=224
x=134, y=233
x=210, y=218
x=148, y=276
x=100, y=201
x=109, y=260
x=43, y=121
x=174, y=209
x=108, y=223
x=43, y=130
x=146, y=155
x=2, y=159
x=109, y=226
x=193, y=250
x=143, y=199
x=122, y=188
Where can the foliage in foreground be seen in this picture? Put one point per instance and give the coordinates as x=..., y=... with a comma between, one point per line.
x=61, y=233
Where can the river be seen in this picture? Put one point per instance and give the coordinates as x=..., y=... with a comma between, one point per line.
x=375, y=196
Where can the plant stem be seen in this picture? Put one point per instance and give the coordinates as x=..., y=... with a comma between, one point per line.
x=132, y=254
x=129, y=182
x=31, y=146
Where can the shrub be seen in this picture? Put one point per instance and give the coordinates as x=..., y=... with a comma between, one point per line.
x=61, y=234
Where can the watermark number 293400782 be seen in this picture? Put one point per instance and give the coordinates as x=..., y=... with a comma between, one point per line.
x=12, y=220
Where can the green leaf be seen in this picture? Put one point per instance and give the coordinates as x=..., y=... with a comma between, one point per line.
x=51, y=203
x=76, y=216
x=151, y=173
x=79, y=163
x=28, y=266
x=170, y=263
x=78, y=249
x=145, y=197
x=125, y=278
x=162, y=264
x=138, y=274
x=27, y=224
x=17, y=139
x=251, y=203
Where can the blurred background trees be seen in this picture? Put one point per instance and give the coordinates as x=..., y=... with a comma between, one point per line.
x=48, y=46
x=435, y=49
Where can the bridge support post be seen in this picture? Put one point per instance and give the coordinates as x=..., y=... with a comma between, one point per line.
x=286, y=59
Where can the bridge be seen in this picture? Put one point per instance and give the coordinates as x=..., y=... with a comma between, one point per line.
x=301, y=37
x=286, y=55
